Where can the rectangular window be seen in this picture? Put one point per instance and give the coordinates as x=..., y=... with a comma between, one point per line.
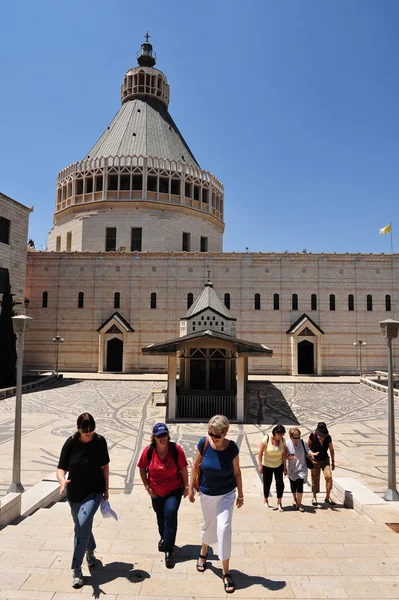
x=175, y=187
x=125, y=182
x=204, y=244
x=5, y=225
x=186, y=242
x=152, y=183
x=58, y=244
x=79, y=187
x=196, y=192
x=164, y=185
x=205, y=196
x=99, y=183
x=110, y=239
x=112, y=182
x=89, y=185
x=136, y=240
x=137, y=184
x=187, y=190
x=69, y=241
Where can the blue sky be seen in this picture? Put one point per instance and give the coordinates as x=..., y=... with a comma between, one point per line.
x=293, y=105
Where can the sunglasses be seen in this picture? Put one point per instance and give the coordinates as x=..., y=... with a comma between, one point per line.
x=214, y=436
x=162, y=435
x=88, y=430
x=296, y=437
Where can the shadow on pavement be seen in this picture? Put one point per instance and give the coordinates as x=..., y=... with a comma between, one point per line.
x=267, y=405
x=243, y=581
x=101, y=574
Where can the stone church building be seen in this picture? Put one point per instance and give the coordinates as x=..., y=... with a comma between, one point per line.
x=138, y=233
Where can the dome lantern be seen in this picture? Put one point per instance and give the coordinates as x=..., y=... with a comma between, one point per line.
x=146, y=56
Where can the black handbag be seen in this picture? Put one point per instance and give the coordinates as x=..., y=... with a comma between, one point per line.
x=309, y=461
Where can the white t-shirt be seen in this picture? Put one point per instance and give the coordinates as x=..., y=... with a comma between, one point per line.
x=297, y=468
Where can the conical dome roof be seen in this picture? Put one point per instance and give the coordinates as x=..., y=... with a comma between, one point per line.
x=143, y=125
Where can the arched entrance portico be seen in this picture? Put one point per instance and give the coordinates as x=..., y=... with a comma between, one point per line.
x=306, y=340
x=114, y=355
x=113, y=336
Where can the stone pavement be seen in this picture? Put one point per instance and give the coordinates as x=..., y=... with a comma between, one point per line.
x=356, y=415
x=324, y=553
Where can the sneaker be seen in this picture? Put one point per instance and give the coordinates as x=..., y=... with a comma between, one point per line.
x=329, y=501
x=77, y=578
x=314, y=502
x=91, y=559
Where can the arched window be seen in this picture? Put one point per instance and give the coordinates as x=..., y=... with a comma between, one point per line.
x=388, y=302
x=276, y=302
x=369, y=302
x=153, y=300
x=332, y=301
x=313, y=302
x=294, y=301
x=44, y=299
x=117, y=300
x=257, y=301
x=190, y=299
x=81, y=300
x=227, y=300
x=351, y=302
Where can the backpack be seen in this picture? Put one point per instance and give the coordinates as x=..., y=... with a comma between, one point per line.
x=173, y=449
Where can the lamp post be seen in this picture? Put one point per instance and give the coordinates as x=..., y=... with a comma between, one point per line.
x=360, y=343
x=389, y=330
x=57, y=340
x=21, y=325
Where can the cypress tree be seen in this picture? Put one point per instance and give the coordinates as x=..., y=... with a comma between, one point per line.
x=8, y=352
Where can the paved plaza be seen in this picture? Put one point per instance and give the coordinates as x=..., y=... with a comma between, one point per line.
x=324, y=553
x=355, y=414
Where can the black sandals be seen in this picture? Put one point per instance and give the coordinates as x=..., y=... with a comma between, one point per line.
x=228, y=584
x=201, y=567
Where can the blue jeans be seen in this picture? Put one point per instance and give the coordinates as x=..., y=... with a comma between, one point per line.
x=166, y=508
x=83, y=514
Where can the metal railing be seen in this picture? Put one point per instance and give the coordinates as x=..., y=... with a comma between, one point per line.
x=203, y=406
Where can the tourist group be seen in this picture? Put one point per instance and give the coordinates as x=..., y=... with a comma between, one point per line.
x=83, y=473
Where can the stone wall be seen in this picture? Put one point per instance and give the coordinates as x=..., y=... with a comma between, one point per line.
x=13, y=255
x=173, y=275
x=162, y=227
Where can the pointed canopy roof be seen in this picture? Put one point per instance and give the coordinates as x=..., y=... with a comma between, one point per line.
x=303, y=320
x=243, y=347
x=208, y=299
x=115, y=318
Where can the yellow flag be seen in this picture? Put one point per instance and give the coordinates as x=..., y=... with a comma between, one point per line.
x=386, y=229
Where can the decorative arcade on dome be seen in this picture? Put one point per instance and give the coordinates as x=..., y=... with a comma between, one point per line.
x=139, y=188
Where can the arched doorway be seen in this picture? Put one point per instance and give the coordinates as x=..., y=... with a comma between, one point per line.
x=114, y=355
x=305, y=358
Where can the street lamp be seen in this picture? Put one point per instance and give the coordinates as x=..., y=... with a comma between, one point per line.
x=389, y=330
x=360, y=343
x=57, y=340
x=21, y=325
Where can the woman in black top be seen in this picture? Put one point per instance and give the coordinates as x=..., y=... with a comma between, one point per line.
x=84, y=456
x=320, y=443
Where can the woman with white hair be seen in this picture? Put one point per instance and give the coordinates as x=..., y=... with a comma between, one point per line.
x=216, y=473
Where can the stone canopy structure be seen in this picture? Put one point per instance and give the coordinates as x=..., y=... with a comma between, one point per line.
x=138, y=229
x=213, y=362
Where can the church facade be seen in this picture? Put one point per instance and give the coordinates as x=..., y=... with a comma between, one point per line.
x=138, y=231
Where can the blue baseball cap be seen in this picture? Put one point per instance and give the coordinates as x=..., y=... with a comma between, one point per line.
x=160, y=429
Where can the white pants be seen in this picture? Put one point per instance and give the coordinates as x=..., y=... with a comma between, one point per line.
x=218, y=512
